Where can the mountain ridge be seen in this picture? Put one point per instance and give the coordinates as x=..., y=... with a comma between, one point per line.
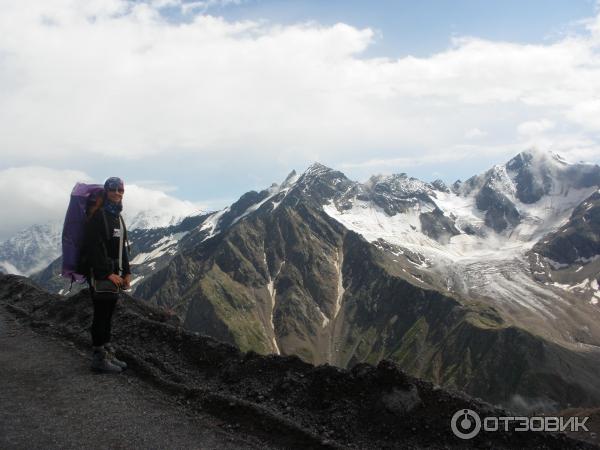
x=325, y=268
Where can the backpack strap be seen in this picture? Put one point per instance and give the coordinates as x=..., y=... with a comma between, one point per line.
x=121, y=232
x=126, y=238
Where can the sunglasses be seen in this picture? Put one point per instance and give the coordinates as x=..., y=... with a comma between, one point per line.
x=120, y=191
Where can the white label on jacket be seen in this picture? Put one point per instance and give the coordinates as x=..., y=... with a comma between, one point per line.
x=117, y=232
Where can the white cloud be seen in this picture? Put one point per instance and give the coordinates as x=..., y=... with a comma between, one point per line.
x=155, y=185
x=119, y=80
x=475, y=133
x=33, y=194
x=138, y=199
x=535, y=127
x=586, y=113
x=407, y=162
x=444, y=155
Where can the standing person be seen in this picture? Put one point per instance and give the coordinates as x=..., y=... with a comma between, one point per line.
x=104, y=243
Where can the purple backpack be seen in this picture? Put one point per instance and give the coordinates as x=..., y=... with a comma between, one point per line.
x=82, y=196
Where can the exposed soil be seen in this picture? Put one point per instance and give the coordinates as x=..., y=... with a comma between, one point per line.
x=274, y=399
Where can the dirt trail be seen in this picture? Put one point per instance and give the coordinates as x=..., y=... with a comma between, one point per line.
x=49, y=398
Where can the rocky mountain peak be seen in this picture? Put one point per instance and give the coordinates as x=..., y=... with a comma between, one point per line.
x=528, y=176
x=396, y=193
x=402, y=185
x=317, y=169
x=439, y=185
x=290, y=179
x=536, y=173
x=317, y=172
x=521, y=160
x=322, y=183
x=456, y=186
x=33, y=248
x=535, y=157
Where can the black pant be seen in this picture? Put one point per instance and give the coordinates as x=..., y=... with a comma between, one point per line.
x=104, y=306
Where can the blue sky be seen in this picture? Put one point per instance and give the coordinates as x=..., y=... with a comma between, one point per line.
x=420, y=28
x=199, y=102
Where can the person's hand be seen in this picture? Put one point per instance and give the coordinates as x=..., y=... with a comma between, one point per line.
x=116, y=279
x=127, y=281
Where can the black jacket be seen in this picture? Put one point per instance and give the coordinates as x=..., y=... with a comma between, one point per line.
x=102, y=250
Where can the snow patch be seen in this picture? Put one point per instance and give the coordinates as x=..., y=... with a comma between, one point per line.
x=211, y=223
x=339, y=263
x=488, y=263
x=165, y=245
x=272, y=294
x=324, y=319
x=8, y=268
x=136, y=279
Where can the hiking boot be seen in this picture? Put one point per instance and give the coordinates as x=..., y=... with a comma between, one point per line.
x=101, y=363
x=110, y=350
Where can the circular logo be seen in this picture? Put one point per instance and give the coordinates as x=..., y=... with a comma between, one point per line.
x=465, y=424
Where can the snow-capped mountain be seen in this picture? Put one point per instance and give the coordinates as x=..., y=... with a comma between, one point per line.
x=460, y=285
x=528, y=181
x=32, y=249
x=149, y=219
x=482, y=240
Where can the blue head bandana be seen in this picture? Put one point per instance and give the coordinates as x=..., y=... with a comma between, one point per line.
x=112, y=184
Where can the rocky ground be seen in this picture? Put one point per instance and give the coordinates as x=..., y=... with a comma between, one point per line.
x=184, y=390
x=51, y=400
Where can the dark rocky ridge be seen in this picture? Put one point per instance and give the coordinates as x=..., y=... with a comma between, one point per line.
x=529, y=187
x=437, y=226
x=500, y=212
x=578, y=239
x=301, y=405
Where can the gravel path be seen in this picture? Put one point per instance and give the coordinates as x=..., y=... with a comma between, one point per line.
x=50, y=399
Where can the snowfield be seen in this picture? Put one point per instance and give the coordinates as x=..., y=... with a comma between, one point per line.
x=490, y=264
